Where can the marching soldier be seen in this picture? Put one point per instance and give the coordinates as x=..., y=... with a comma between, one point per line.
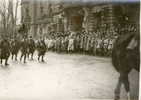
x=5, y=50
x=31, y=47
x=41, y=49
x=15, y=46
x=24, y=49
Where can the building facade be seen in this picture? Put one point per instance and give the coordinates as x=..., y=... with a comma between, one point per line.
x=43, y=17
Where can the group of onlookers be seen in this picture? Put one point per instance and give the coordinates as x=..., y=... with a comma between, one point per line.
x=92, y=43
x=99, y=42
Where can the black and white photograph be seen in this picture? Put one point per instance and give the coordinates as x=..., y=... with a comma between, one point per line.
x=69, y=49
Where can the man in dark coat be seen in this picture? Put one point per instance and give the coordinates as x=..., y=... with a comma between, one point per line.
x=31, y=47
x=4, y=50
x=41, y=49
x=15, y=47
x=24, y=49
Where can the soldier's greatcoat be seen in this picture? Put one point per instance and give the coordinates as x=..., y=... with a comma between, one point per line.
x=41, y=47
x=4, y=49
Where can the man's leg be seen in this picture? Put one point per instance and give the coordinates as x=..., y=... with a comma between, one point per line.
x=43, y=58
x=32, y=55
x=21, y=57
x=16, y=56
x=39, y=57
x=1, y=60
x=25, y=58
x=12, y=56
x=6, y=61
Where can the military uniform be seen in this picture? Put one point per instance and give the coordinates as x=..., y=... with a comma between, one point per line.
x=5, y=50
x=31, y=47
x=41, y=49
x=24, y=49
x=15, y=46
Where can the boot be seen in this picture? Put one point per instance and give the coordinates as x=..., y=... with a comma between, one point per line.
x=6, y=64
x=43, y=59
x=1, y=61
x=38, y=58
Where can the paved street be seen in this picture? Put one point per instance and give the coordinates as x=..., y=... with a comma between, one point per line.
x=62, y=77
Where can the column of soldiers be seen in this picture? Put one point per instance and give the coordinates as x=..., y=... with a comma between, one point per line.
x=27, y=46
x=97, y=43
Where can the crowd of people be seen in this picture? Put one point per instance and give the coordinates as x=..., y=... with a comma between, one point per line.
x=98, y=43
x=27, y=46
x=91, y=43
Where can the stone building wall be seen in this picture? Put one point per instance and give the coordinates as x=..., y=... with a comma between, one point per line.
x=61, y=17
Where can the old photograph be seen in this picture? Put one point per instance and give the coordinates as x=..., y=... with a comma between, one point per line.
x=69, y=49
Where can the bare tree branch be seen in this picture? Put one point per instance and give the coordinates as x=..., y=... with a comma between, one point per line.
x=8, y=15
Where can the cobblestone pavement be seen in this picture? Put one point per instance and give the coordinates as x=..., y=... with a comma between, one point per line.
x=62, y=77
